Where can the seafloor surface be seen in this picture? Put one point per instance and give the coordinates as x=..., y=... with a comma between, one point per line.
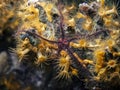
x=59, y=44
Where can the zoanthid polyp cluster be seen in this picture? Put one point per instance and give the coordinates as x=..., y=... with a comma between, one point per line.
x=88, y=51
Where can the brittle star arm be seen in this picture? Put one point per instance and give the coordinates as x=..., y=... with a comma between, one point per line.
x=97, y=33
x=36, y=35
x=89, y=36
x=82, y=70
x=61, y=22
x=77, y=36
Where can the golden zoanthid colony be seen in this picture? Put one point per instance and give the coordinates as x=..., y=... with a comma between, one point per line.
x=72, y=46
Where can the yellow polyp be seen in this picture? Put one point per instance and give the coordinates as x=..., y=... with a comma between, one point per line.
x=53, y=46
x=104, y=12
x=114, y=34
x=97, y=68
x=70, y=7
x=48, y=9
x=38, y=26
x=99, y=53
x=22, y=53
x=111, y=63
x=102, y=2
x=46, y=44
x=86, y=61
x=64, y=11
x=31, y=13
x=43, y=4
x=87, y=25
x=48, y=49
x=63, y=53
x=116, y=23
x=107, y=21
x=116, y=53
x=31, y=9
x=7, y=15
x=75, y=45
x=40, y=58
x=71, y=22
x=112, y=11
x=34, y=49
x=15, y=24
x=101, y=13
x=25, y=51
x=41, y=47
x=101, y=72
x=1, y=6
x=82, y=43
x=41, y=28
x=98, y=41
x=29, y=17
x=63, y=75
x=64, y=63
x=11, y=14
x=100, y=60
x=63, y=60
x=25, y=42
x=110, y=43
x=79, y=15
x=74, y=72
x=97, y=78
x=99, y=56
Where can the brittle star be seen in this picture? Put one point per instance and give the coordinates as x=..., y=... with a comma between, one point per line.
x=63, y=43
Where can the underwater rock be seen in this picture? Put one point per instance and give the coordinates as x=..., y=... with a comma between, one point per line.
x=3, y=61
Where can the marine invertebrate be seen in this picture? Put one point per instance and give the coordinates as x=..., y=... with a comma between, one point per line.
x=10, y=21
x=83, y=50
x=63, y=43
